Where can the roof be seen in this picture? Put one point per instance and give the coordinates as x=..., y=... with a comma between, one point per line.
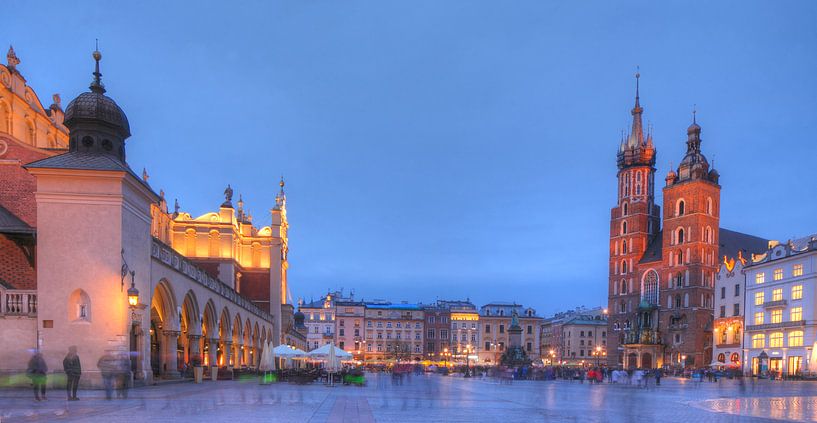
x=586, y=320
x=730, y=242
x=393, y=306
x=86, y=161
x=11, y=224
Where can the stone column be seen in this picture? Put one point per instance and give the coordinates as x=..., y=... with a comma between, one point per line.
x=228, y=354
x=212, y=356
x=170, y=363
x=193, y=349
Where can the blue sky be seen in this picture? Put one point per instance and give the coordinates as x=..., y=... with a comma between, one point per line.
x=444, y=149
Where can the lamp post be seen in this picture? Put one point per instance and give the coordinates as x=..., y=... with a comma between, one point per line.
x=552, y=357
x=468, y=350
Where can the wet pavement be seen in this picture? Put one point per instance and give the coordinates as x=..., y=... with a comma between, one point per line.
x=428, y=398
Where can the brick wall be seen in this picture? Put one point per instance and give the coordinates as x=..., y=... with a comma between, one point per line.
x=14, y=267
x=18, y=186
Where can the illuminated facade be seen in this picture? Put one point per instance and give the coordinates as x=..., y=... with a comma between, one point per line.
x=114, y=271
x=781, y=314
x=394, y=331
x=728, y=328
x=661, y=281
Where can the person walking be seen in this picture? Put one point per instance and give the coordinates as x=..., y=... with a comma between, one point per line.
x=122, y=376
x=107, y=366
x=37, y=370
x=73, y=370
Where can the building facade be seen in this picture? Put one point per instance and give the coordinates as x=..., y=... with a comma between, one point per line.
x=495, y=319
x=109, y=276
x=727, y=330
x=661, y=280
x=584, y=340
x=320, y=320
x=465, y=332
x=437, y=331
x=350, y=317
x=781, y=313
x=394, y=332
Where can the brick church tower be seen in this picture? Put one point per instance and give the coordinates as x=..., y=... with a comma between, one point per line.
x=634, y=221
x=690, y=245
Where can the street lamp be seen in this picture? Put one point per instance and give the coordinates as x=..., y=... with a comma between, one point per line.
x=552, y=357
x=468, y=350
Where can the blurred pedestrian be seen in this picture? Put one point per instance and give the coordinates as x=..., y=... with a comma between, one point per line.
x=107, y=367
x=122, y=376
x=37, y=370
x=73, y=370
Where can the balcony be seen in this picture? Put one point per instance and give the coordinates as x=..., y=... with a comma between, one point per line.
x=18, y=303
x=781, y=325
x=775, y=304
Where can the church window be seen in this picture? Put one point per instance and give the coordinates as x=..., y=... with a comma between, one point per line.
x=708, y=235
x=623, y=287
x=650, y=288
x=686, y=300
x=680, y=235
x=679, y=258
x=680, y=209
x=624, y=267
x=621, y=307
x=709, y=205
x=624, y=227
x=624, y=247
x=624, y=209
x=677, y=301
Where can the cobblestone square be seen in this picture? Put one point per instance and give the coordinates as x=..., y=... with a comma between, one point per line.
x=429, y=398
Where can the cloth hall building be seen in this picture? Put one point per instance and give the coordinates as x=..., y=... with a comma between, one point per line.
x=91, y=257
x=663, y=260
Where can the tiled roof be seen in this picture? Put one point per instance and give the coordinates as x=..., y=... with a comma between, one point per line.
x=729, y=244
x=11, y=224
x=394, y=306
x=77, y=160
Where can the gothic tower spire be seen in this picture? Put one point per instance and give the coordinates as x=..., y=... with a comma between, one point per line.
x=636, y=138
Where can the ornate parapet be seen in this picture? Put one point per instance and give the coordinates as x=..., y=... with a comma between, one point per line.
x=167, y=255
x=15, y=302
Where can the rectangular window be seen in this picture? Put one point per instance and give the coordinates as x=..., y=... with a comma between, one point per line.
x=340, y=323
x=760, y=277
x=723, y=292
x=530, y=330
x=487, y=346
x=797, y=270
x=776, y=340
x=759, y=298
x=341, y=344
x=341, y=333
x=777, y=294
x=737, y=289
x=736, y=310
x=796, y=339
x=723, y=311
x=430, y=319
x=528, y=347
x=796, y=314
x=357, y=332
x=369, y=348
x=778, y=274
x=797, y=292
x=443, y=334
x=501, y=328
x=777, y=316
x=430, y=334
x=487, y=328
x=758, y=340
x=759, y=318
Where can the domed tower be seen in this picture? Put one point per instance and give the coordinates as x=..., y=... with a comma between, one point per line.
x=96, y=123
x=93, y=219
x=634, y=221
x=690, y=251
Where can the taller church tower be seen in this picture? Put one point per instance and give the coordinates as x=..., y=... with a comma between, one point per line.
x=634, y=221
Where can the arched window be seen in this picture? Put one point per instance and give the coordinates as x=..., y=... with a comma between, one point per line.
x=708, y=235
x=677, y=301
x=680, y=236
x=680, y=258
x=686, y=300
x=621, y=307
x=624, y=247
x=31, y=133
x=624, y=227
x=722, y=357
x=624, y=209
x=649, y=289
x=623, y=267
x=623, y=289
x=709, y=205
x=79, y=306
x=679, y=280
x=680, y=208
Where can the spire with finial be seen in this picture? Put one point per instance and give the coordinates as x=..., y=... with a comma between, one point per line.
x=281, y=197
x=636, y=138
x=145, y=175
x=175, y=207
x=96, y=85
x=11, y=58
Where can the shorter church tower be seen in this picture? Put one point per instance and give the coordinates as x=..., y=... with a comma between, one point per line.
x=690, y=253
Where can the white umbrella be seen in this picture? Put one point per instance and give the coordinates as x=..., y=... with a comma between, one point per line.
x=332, y=362
x=263, y=363
x=812, y=363
x=323, y=352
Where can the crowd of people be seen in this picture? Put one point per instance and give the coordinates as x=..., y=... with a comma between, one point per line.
x=114, y=367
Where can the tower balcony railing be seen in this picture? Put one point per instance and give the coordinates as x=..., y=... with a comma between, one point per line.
x=18, y=302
